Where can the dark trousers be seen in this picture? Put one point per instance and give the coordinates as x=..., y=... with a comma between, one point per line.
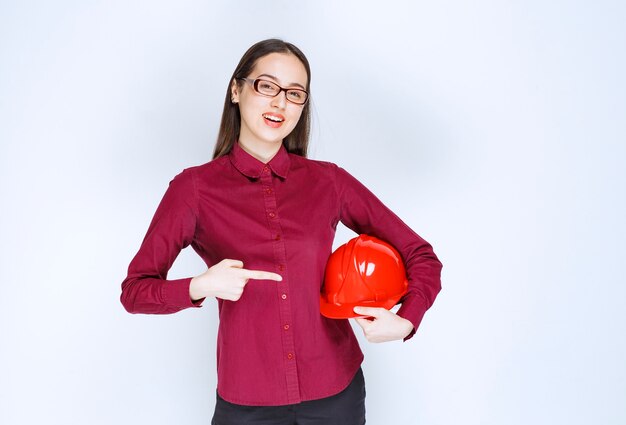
x=345, y=408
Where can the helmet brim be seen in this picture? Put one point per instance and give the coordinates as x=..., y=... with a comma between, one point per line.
x=346, y=311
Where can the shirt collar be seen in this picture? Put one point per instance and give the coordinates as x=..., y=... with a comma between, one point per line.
x=252, y=167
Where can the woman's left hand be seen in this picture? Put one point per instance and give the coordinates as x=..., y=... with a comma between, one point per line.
x=385, y=326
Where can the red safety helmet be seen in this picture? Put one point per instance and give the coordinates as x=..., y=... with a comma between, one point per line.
x=366, y=272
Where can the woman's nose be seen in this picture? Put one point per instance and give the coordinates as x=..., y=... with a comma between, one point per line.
x=280, y=100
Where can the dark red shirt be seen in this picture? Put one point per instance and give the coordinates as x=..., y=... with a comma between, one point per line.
x=273, y=345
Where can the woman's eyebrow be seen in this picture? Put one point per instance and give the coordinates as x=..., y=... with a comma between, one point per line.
x=276, y=79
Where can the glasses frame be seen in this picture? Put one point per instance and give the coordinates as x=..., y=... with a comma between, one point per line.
x=255, y=84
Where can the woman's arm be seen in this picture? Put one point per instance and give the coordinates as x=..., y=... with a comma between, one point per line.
x=146, y=288
x=363, y=212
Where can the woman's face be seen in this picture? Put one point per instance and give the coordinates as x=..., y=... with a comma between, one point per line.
x=268, y=120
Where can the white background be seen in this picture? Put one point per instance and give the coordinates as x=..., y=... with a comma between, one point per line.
x=495, y=129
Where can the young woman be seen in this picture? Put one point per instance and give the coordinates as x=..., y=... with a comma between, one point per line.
x=262, y=216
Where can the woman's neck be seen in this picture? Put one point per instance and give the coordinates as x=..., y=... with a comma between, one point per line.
x=264, y=152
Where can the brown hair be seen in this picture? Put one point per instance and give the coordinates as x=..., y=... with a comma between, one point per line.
x=297, y=141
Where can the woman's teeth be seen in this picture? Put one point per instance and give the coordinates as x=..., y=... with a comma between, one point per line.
x=272, y=118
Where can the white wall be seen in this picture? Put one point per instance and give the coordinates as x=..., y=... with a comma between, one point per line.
x=495, y=129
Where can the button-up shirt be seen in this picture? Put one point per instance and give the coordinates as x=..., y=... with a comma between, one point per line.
x=273, y=345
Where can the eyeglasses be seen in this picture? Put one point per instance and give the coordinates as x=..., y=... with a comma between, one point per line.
x=271, y=89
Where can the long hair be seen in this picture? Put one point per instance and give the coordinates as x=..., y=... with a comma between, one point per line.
x=297, y=142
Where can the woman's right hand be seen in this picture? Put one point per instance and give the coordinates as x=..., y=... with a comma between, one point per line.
x=226, y=280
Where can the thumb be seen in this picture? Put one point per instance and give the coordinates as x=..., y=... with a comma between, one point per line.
x=232, y=263
x=368, y=311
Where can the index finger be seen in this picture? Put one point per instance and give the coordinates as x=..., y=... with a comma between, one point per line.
x=261, y=275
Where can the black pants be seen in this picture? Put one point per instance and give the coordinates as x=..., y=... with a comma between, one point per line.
x=345, y=408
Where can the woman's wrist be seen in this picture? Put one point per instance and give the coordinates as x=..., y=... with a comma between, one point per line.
x=195, y=293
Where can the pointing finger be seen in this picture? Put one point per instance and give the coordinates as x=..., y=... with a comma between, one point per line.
x=261, y=275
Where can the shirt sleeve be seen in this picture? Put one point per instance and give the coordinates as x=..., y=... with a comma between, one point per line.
x=146, y=288
x=364, y=213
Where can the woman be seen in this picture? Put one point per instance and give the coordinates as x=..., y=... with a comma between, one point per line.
x=263, y=217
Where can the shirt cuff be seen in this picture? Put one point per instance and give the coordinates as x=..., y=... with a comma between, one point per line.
x=176, y=294
x=413, y=310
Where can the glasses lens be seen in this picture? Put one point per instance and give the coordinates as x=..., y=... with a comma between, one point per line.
x=297, y=96
x=269, y=88
x=266, y=87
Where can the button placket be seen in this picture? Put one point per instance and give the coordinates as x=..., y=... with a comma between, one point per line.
x=282, y=288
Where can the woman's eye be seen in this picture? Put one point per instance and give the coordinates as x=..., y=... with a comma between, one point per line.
x=295, y=94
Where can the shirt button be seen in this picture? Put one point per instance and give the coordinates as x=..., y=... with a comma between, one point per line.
x=281, y=267
x=268, y=191
x=277, y=237
x=284, y=296
x=265, y=169
x=272, y=215
x=286, y=327
x=290, y=356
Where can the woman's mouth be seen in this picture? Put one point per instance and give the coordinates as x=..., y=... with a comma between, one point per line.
x=273, y=120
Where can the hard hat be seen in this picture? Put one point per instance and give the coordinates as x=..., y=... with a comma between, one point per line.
x=365, y=271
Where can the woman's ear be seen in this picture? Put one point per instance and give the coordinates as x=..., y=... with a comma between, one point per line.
x=234, y=92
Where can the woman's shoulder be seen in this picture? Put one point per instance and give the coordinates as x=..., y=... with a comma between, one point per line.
x=317, y=165
x=214, y=166
x=328, y=169
x=190, y=177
